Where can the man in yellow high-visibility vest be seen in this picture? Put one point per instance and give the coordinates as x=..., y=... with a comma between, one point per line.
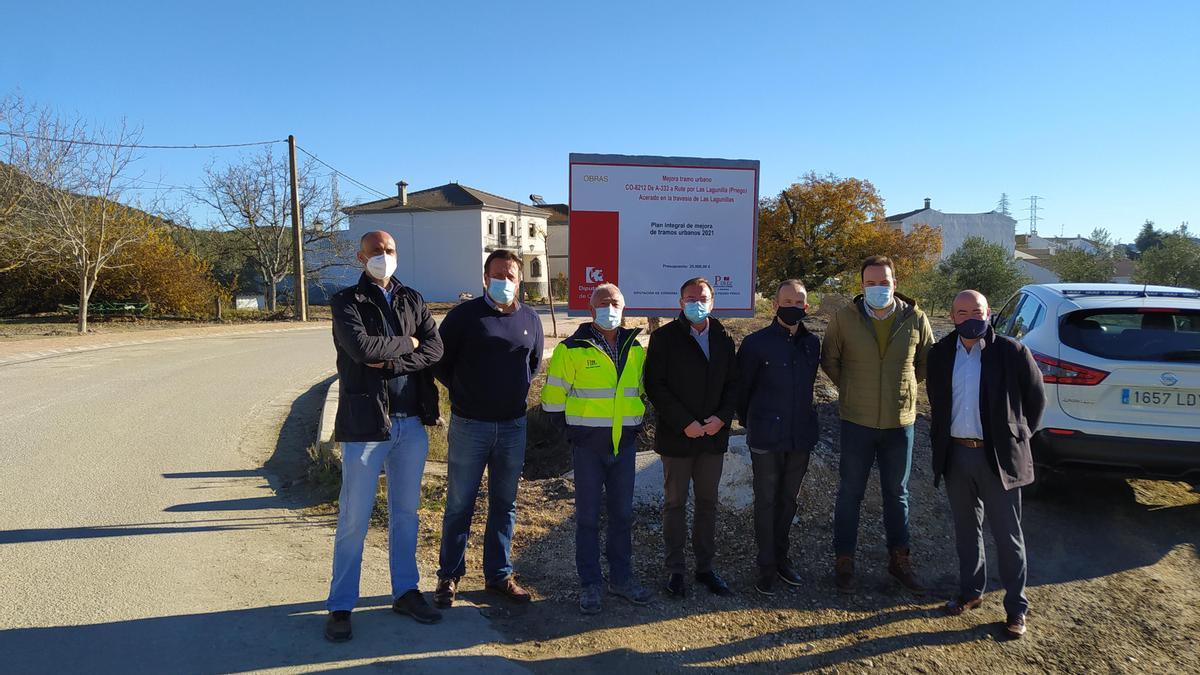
x=594, y=388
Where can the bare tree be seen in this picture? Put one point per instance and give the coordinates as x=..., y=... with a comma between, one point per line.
x=63, y=202
x=251, y=199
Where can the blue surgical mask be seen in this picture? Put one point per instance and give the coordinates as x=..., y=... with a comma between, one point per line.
x=502, y=291
x=878, y=297
x=608, y=317
x=696, y=311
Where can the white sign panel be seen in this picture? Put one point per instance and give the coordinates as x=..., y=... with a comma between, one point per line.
x=648, y=224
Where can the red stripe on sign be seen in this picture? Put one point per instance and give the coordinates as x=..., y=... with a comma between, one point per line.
x=592, y=252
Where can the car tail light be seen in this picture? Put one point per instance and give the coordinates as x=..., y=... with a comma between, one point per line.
x=1062, y=432
x=1055, y=371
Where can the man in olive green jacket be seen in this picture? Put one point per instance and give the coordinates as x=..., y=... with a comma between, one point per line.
x=874, y=351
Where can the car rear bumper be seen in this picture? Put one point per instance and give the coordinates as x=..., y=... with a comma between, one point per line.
x=1144, y=457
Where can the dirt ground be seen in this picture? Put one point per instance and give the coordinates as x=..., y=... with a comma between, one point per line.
x=64, y=325
x=1114, y=571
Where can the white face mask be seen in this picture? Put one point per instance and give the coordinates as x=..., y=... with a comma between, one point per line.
x=608, y=317
x=381, y=267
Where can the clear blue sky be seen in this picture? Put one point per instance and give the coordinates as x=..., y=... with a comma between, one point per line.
x=1093, y=105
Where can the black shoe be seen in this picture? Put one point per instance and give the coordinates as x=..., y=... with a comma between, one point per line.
x=788, y=575
x=446, y=591
x=675, y=586
x=715, y=584
x=413, y=604
x=337, y=626
x=765, y=584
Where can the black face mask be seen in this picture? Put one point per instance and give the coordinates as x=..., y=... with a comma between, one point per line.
x=972, y=329
x=790, y=315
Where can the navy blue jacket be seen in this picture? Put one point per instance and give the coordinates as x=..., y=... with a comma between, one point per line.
x=361, y=336
x=775, y=396
x=490, y=359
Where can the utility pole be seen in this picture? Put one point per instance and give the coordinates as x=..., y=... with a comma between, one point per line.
x=1033, y=216
x=298, y=236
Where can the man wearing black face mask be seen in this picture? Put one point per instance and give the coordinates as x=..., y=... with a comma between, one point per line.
x=775, y=404
x=986, y=397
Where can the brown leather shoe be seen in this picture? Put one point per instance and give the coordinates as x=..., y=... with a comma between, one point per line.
x=509, y=588
x=959, y=605
x=446, y=590
x=1015, y=626
x=843, y=573
x=900, y=566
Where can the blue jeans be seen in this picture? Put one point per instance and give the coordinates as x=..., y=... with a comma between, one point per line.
x=473, y=445
x=402, y=457
x=861, y=447
x=598, y=470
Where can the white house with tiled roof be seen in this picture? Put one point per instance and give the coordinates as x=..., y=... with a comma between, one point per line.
x=993, y=227
x=443, y=235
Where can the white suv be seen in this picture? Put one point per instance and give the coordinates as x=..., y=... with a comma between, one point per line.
x=1121, y=364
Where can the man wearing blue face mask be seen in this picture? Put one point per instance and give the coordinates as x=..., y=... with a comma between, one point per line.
x=493, y=348
x=691, y=378
x=986, y=397
x=874, y=352
x=594, y=390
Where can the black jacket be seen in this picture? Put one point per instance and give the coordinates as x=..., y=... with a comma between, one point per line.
x=684, y=387
x=776, y=373
x=1011, y=402
x=360, y=336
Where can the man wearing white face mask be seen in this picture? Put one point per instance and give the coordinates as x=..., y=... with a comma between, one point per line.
x=386, y=343
x=874, y=352
x=594, y=388
x=493, y=351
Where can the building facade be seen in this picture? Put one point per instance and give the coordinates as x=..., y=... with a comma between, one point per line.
x=993, y=227
x=444, y=234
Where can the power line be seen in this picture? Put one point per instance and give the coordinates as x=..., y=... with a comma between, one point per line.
x=138, y=145
x=328, y=166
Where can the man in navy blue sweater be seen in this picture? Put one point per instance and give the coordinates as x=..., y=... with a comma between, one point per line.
x=492, y=350
x=775, y=403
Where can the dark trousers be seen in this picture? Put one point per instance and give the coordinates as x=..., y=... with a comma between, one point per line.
x=777, y=478
x=861, y=448
x=974, y=490
x=599, y=471
x=703, y=473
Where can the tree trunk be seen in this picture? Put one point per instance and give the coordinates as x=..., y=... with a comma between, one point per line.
x=273, y=296
x=83, y=301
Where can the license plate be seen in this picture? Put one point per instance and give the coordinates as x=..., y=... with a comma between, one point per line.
x=1158, y=398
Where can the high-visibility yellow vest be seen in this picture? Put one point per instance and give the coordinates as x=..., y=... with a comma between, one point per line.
x=582, y=382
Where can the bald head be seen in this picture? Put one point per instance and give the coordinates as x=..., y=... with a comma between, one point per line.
x=969, y=305
x=376, y=243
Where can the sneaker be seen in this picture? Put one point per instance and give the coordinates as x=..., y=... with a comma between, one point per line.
x=589, y=599
x=413, y=604
x=843, y=573
x=900, y=566
x=447, y=590
x=632, y=591
x=765, y=584
x=788, y=575
x=337, y=626
x=1015, y=626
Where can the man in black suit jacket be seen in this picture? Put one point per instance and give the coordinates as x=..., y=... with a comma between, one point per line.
x=690, y=378
x=986, y=396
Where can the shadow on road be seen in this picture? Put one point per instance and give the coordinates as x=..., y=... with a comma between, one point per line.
x=237, y=640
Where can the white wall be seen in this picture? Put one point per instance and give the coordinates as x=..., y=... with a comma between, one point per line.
x=995, y=228
x=1040, y=275
x=438, y=253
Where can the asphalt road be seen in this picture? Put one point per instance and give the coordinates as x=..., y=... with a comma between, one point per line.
x=140, y=527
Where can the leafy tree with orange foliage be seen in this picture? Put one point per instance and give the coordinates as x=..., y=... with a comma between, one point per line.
x=823, y=226
x=157, y=270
